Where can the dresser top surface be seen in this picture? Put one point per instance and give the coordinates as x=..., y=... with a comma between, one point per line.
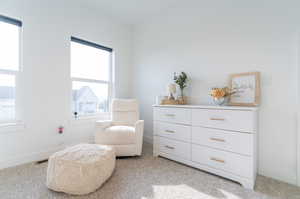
x=209, y=107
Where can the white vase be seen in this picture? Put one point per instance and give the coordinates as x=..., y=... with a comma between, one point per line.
x=219, y=101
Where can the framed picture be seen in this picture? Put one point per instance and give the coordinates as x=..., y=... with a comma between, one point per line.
x=247, y=89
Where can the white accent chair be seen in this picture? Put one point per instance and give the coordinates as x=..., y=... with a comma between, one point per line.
x=125, y=131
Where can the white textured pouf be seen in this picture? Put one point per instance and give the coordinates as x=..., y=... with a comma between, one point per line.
x=80, y=169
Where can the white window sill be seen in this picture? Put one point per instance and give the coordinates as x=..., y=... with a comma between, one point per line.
x=11, y=127
x=89, y=119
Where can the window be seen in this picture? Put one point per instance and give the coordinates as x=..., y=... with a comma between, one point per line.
x=91, y=69
x=10, y=31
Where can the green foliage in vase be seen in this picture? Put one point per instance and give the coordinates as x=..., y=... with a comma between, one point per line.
x=181, y=81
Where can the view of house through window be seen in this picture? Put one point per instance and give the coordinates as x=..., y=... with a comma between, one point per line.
x=7, y=97
x=91, y=77
x=9, y=66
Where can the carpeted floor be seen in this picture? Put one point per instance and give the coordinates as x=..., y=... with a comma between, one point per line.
x=144, y=177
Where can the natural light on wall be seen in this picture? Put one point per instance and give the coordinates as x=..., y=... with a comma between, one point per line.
x=9, y=66
x=91, y=77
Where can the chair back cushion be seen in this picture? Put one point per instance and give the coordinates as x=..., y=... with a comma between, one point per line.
x=125, y=111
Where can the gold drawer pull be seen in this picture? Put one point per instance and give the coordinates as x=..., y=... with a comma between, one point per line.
x=169, y=147
x=217, y=160
x=169, y=131
x=217, y=139
x=170, y=115
x=217, y=119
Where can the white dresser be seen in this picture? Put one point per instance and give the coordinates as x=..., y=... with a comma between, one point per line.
x=218, y=139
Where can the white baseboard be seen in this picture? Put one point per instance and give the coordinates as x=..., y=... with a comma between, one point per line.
x=42, y=155
x=148, y=139
x=38, y=156
x=28, y=158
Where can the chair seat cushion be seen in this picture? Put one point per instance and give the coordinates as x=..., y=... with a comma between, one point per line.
x=116, y=135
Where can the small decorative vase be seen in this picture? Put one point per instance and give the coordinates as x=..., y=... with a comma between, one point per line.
x=219, y=101
x=182, y=100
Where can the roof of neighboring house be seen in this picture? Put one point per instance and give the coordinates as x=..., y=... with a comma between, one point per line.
x=7, y=92
x=83, y=91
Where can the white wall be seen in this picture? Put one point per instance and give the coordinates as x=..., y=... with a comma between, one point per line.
x=298, y=115
x=44, y=85
x=209, y=41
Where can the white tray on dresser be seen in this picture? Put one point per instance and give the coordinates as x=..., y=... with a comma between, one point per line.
x=219, y=139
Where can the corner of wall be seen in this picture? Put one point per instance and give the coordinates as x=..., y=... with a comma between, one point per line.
x=298, y=110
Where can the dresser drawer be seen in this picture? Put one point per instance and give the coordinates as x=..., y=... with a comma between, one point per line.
x=174, y=115
x=173, y=131
x=230, y=141
x=177, y=148
x=226, y=161
x=235, y=120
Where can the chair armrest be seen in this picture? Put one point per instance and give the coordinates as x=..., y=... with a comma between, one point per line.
x=139, y=124
x=103, y=123
x=139, y=130
x=100, y=127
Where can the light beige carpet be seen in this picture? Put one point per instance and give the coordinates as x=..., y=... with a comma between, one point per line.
x=144, y=177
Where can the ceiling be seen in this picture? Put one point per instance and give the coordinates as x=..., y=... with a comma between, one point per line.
x=134, y=12
x=131, y=11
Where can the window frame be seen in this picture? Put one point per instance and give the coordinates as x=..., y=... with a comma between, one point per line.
x=109, y=82
x=16, y=120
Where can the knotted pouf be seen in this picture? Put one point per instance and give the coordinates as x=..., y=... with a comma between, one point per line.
x=80, y=169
